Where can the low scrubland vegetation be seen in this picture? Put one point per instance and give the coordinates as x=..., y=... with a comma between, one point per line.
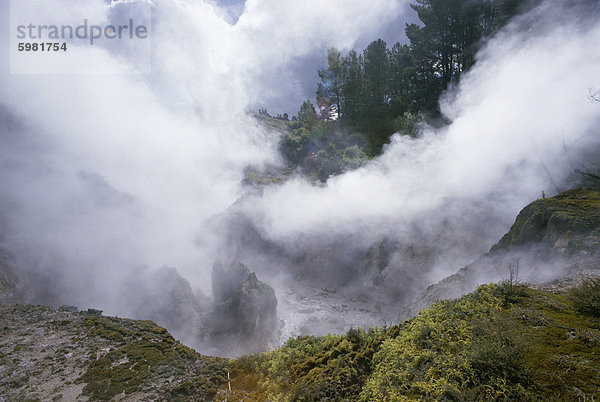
x=504, y=341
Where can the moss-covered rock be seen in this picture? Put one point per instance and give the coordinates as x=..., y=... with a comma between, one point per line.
x=147, y=359
x=567, y=222
x=552, y=239
x=47, y=354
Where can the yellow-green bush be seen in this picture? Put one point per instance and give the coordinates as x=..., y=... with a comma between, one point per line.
x=478, y=347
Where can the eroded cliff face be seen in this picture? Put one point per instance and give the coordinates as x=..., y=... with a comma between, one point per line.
x=244, y=315
x=241, y=316
x=48, y=354
x=165, y=297
x=554, y=243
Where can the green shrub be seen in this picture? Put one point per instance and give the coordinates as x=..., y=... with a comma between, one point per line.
x=502, y=342
x=512, y=289
x=294, y=146
x=408, y=123
x=586, y=297
x=497, y=351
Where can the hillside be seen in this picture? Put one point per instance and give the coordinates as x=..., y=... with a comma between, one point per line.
x=568, y=222
x=47, y=354
x=278, y=125
x=551, y=239
x=511, y=340
x=501, y=342
x=505, y=341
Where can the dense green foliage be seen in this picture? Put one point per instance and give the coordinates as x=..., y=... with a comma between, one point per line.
x=312, y=368
x=454, y=350
x=322, y=147
x=531, y=345
x=363, y=98
x=370, y=91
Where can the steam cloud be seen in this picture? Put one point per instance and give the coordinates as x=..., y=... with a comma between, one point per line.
x=103, y=173
x=521, y=120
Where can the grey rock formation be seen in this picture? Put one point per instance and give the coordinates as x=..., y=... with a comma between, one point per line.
x=165, y=297
x=551, y=239
x=11, y=290
x=394, y=270
x=245, y=309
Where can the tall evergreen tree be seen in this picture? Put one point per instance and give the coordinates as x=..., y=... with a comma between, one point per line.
x=375, y=116
x=307, y=115
x=329, y=89
x=376, y=67
x=400, y=71
x=351, y=89
x=382, y=89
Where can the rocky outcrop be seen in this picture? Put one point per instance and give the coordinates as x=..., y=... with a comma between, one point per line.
x=241, y=318
x=165, y=297
x=569, y=222
x=46, y=354
x=245, y=309
x=393, y=269
x=551, y=239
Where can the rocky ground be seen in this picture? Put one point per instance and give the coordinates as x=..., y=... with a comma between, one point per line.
x=309, y=311
x=47, y=354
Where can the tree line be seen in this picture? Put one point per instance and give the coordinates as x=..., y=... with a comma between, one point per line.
x=363, y=98
x=383, y=90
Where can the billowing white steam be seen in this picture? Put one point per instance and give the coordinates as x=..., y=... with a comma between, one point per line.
x=103, y=173
x=520, y=119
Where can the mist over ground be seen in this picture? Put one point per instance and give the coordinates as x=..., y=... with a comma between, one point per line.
x=102, y=174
